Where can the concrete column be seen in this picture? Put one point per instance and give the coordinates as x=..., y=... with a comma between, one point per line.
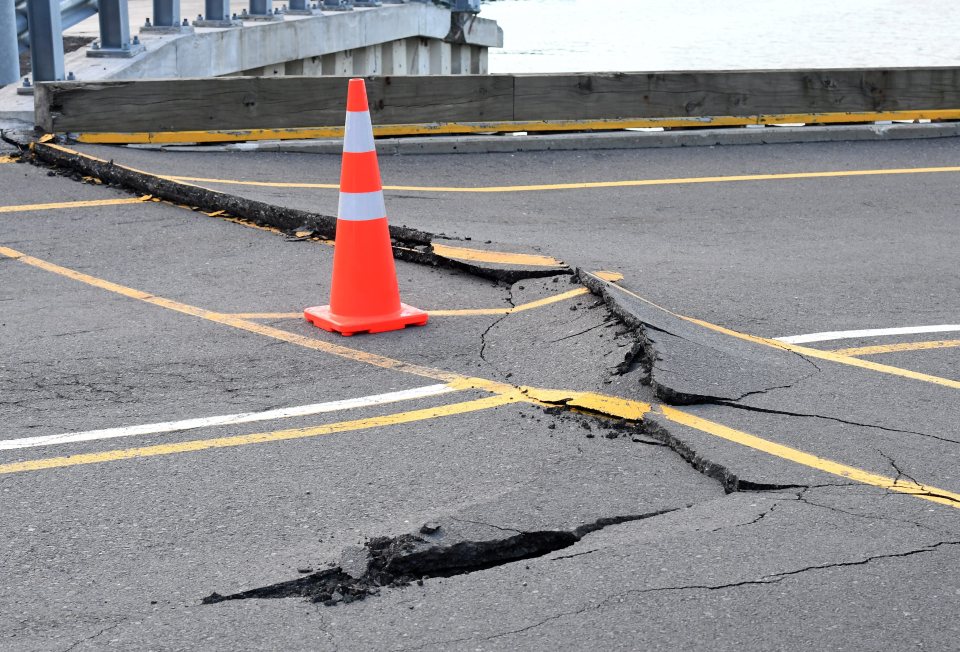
x=474, y=59
x=460, y=60
x=329, y=64
x=375, y=60
x=367, y=61
x=46, y=39
x=343, y=62
x=313, y=66
x=440, y=54
x=484, y=62
x=418, y=56
x=9, y=52
x=395, y=58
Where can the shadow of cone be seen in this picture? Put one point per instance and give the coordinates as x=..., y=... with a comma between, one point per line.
x=364, y=295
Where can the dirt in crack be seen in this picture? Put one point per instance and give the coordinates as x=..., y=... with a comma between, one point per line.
x=400, y=561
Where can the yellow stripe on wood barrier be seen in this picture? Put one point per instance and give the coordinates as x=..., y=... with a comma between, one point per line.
x=441, y=128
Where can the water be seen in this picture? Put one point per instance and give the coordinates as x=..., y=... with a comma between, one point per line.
x=639, y=35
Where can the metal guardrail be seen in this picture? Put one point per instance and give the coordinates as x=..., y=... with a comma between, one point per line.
x=71, y=13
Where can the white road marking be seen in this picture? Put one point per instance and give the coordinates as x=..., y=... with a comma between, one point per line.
x=869, y=332
x=227, y=419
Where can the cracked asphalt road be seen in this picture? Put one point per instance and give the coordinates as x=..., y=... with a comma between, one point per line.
x=483, y=516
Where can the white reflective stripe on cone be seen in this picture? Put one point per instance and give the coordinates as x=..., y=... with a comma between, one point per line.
x=358, y=133
x=361, y=206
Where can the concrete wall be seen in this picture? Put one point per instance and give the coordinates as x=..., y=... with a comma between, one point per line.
x=409, y=38
x=411, y=56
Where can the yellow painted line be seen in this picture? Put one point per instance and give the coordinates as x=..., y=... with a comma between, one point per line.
x=502, y=257
x=260, y=437
x=504, y=394
x=469, y=312
x=833, y=357
x=23, y=208
x=806, y=351
x=908, y=487
x=440, y=128
x=614, y=406
x=7, y=158
x=235, y=322
x=590, y=184
x=893, y=348
x=268, y=315
x=462, y=312
x=265, y=184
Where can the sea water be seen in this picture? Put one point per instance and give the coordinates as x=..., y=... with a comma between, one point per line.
x=642, y=35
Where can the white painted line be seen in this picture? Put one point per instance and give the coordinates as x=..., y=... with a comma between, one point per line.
x=870, y=332
x=227, y=419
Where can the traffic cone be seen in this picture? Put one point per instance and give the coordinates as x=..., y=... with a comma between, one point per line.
x=364, y=295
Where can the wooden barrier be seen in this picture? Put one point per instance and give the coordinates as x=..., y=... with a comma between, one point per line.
x=243, y=108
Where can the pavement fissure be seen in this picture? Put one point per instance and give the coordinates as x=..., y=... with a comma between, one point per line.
x=431, y=552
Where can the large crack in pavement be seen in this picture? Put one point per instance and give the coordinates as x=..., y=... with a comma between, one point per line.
x=671, y=356
x=436, y=550
x=686, y=365
x=409, y=244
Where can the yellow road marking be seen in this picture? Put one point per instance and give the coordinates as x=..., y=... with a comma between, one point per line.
x=8, y=158
x=504, y=393
x=503, y=257
x=71, y=204
x=925, y=492
x=615, y=406
x=266, y=184
x=593, y=184
x=806, y=351
x=235, y=322
x=833, y=357
x=439, y=128
x=261, y=437
x=893, y=348
x=460, y=312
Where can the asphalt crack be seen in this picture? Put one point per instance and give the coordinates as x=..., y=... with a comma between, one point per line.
x=788, y=413
x=90, y=638
x=400, y=561
x=619, y=597
x=486, y=332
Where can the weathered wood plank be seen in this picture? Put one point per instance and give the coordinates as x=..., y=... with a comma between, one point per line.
x=739, y=93
x=235, y=103
x=264, y=102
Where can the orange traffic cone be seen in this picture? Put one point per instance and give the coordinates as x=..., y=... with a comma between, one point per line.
x=364, y=296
